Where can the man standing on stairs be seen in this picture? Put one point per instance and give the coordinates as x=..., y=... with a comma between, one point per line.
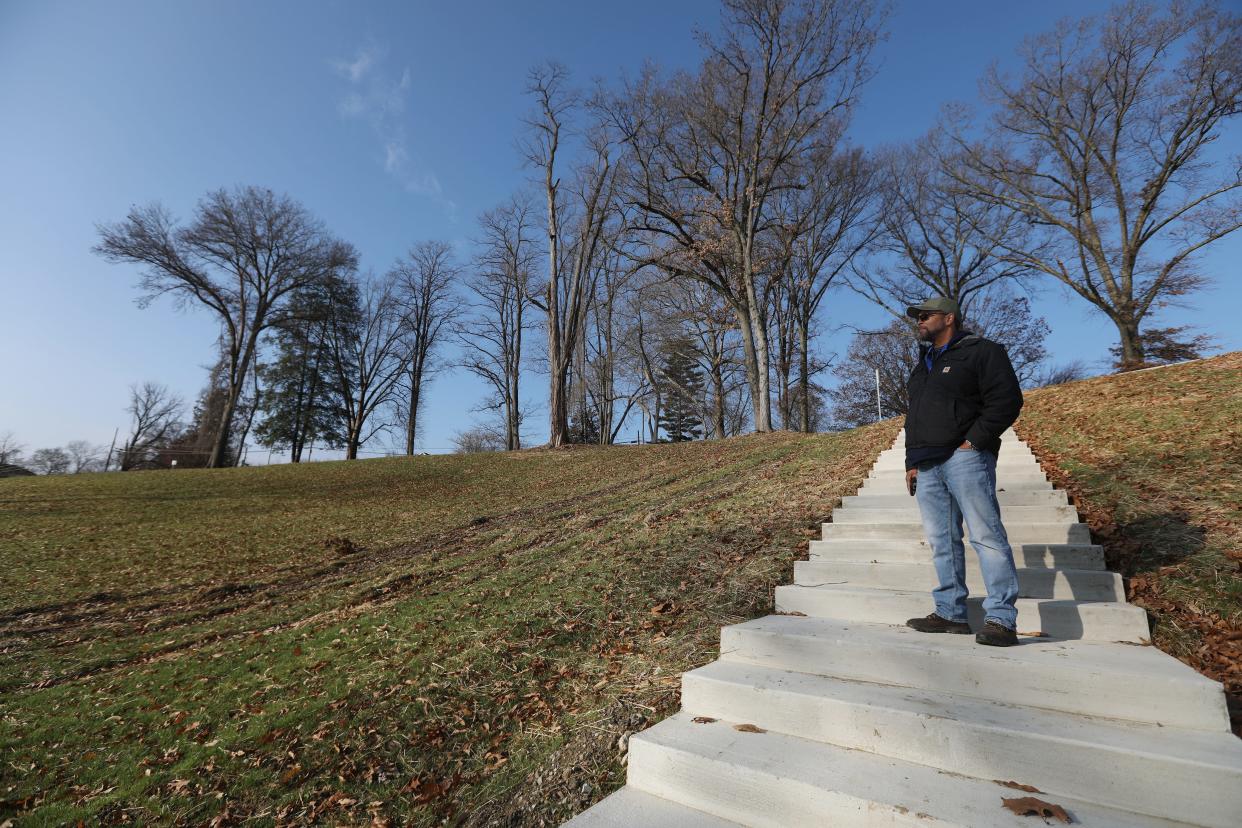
x=963, y=396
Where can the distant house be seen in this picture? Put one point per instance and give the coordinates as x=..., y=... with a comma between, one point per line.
x=9, y=470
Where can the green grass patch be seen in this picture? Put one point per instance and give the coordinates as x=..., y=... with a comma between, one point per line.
x=402, y=641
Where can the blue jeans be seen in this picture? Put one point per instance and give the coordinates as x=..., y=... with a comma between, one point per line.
x=964, y=486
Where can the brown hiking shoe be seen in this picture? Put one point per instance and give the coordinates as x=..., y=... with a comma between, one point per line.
x=935, y=624
x=995, y=634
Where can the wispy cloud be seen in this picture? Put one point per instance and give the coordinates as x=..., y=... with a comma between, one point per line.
x=356, y=69
x=381, y=99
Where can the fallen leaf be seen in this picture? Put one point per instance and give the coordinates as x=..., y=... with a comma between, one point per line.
x=1031, y=806
x=703, y=720
x=749, y=728
x=1018, y=786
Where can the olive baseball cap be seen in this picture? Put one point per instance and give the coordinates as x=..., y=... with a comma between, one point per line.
x=941, y=304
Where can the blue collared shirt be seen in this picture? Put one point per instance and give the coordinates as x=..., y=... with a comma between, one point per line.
x=933, y=353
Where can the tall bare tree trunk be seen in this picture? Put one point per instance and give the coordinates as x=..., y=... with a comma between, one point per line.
x=755, y=357
x=237, y=377
x=513, y=434
x=416, y=388
x=804, y=375
x=1131, y=342
x=718, y=399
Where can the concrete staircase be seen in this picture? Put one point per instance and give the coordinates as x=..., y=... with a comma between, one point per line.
x=862, y=721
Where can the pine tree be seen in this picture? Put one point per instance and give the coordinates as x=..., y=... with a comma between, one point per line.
x=681, y=388
x=300, y=404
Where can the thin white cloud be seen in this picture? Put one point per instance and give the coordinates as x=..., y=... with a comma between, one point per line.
x=425, y=184
x=375, y=97
x=395, y=157
x=352, y=105
x=357, y=68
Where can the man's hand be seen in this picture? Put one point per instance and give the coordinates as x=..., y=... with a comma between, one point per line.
x=966, y=445
x=911, y=476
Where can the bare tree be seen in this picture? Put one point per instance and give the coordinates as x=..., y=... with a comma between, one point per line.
x=1102, y=144
x=83, y=456
x=1164, y=346
x=491, y=334
x=365, y=349
x=708, y=151
x=155, y=414
x=576, y=219
x=241, y=257
x=425, y=281
x=1008, y=319
x=894, y=352
x=940, y=240
x=826, y=222
x=10, y=449
x=49, y=461
x=478, y=440
x=603, y=377
x=687, y=314
x=1072, y=371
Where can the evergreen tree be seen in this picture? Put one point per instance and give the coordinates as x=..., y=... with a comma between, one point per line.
x=584, y=426
x=300, y=404
x=681, y=388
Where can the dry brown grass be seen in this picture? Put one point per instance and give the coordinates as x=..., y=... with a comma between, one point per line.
x=1153, y=460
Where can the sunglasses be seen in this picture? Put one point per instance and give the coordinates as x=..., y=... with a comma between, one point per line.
x=923, y=316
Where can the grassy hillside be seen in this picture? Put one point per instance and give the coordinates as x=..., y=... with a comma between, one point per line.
x=1154, y=462
x=404, y=641
x=469, y=640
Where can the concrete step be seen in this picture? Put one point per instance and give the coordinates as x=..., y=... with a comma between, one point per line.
x=870, y=723
x=1082, y=677
x=1004, y=461
x=1020, y=476
x=1003, y=471
x=1051, y=497
x=897, y=485
x=1065, y=584
x=779, y=781
x=630, y=807
x=1061, y=619
x=1030, y=555
x=1159, y=771
x=910, y=514
x=898, y=462
x=1017, y=532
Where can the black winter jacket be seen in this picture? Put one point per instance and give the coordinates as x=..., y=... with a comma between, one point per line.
x=970, y=394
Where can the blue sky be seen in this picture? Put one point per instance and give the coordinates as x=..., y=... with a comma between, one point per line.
x=394, y=123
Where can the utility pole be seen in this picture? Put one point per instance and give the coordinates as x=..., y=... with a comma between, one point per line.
x=108, y=459
x=879, y=413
